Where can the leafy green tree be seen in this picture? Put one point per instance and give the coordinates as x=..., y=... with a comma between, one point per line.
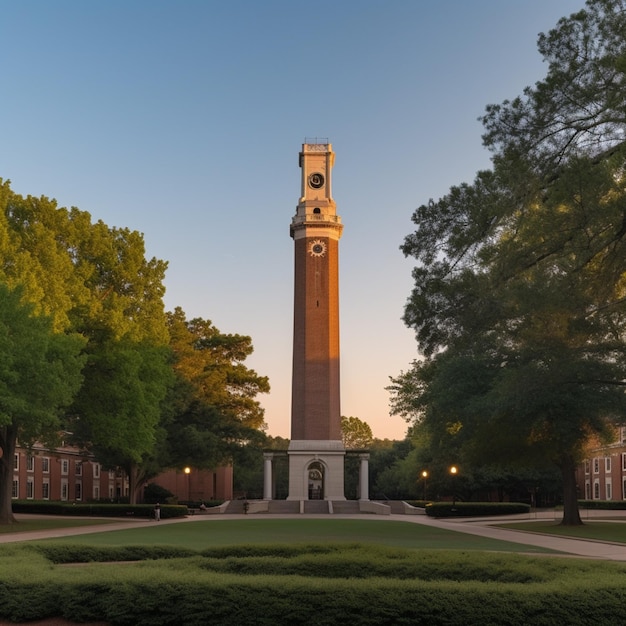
x=355, y=433
x=95, y=280
x=40, y=371
x=211, y=413
x=519, y=302
x=118, y=409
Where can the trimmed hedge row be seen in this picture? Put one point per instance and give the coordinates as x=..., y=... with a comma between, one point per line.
x=472, y=509
x=452, y=588
x=96, y=509
x=615, y=505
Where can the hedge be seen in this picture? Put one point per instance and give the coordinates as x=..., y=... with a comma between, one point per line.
x=473, y=509
x=96, y=509
x=614, y=505
x=322, y=585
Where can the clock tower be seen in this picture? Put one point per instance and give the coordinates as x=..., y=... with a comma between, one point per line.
x=316, y=452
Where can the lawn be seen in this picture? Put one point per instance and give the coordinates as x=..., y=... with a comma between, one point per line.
x=198, y=535
x=302, y=571
x=49, y=523
x=613, y=532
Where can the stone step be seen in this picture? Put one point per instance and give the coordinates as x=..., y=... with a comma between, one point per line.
x=345, y=507
x=316, y=506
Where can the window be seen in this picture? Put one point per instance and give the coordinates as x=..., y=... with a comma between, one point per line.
x=78, y=491
x=78, y=469
x=111, y=493
x=96, y=470
x=65, y=467
x=596, y=489
x=30, y=488
x=624, y=489
x=588, y=490
x=15, y=489
x=45, y=464
x=64, y=490
x=30, y=463
x=608, y=490
x=96, y=492
x=45, y=489
x=16, y=461
x=111, y=474
x=588, y=467
x=607, y=464
x=624, y=461
x=596, y=466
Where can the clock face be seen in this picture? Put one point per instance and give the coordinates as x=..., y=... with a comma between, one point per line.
x=316, y=180
x=317, y=248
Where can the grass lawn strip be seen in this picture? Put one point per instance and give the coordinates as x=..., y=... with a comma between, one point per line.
x=204, y=534
x=611, y=532
x=50, y=523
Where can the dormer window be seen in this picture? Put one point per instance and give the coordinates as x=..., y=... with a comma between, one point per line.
x=317, y=210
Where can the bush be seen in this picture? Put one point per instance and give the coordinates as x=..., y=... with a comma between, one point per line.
x=474, y=509
x=154, y=493
x=614, y=505
x=323, y=585
x=95, y=509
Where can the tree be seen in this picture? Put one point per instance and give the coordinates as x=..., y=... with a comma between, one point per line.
x=212, y=410
x=95, y=280
x=118, y=409
x=519, y=302
x=40, y=371
x=355, y=433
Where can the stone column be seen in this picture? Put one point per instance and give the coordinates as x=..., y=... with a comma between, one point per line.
x=364, y=491
x=267, y=475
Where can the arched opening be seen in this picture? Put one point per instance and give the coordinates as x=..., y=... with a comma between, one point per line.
x=316, y=481
x=317, y=210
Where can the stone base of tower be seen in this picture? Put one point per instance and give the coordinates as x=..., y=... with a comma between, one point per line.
x=316, y=470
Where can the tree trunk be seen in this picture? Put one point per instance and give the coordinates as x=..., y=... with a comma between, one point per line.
x=571, y=516
x=137, y=478
x=8, y=440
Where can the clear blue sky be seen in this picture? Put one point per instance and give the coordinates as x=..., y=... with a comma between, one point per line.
x=183, y=119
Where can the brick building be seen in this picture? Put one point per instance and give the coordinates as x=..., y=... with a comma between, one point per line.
x=602, y=476
x=68, y=474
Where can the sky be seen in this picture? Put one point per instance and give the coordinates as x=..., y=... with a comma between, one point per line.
x=183, y=119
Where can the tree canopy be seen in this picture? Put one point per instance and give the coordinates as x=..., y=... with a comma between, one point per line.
x=356, y=433
x=519, y=301
x=40, y=371
x=213, y=409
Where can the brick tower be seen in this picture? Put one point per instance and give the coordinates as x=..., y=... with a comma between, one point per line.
x=316, y=452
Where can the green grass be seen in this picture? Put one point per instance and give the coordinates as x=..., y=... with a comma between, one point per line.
x=302, y=584
x=613, y=532
x=198, y=535
x=49, y=523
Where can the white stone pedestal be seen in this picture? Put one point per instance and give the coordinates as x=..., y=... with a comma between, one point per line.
x=303, y=456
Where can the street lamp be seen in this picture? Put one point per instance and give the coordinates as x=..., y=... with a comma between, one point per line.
x=454, y=470
x=187, y=471
x=424, y=477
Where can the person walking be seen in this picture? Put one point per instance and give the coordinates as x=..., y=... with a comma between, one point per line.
x=157, y=512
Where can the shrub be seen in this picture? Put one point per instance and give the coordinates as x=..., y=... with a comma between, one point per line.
x=472, y=509
x=154, y=493
x=322, y=585
x=95, y=509
x=602, y=504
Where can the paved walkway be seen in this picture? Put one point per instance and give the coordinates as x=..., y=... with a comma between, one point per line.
x=482, y=527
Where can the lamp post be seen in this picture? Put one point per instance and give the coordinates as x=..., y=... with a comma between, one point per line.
x=187, y=471
x=424, y=477
x=454, y=470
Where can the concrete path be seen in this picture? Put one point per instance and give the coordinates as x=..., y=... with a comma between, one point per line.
x=474, y=526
